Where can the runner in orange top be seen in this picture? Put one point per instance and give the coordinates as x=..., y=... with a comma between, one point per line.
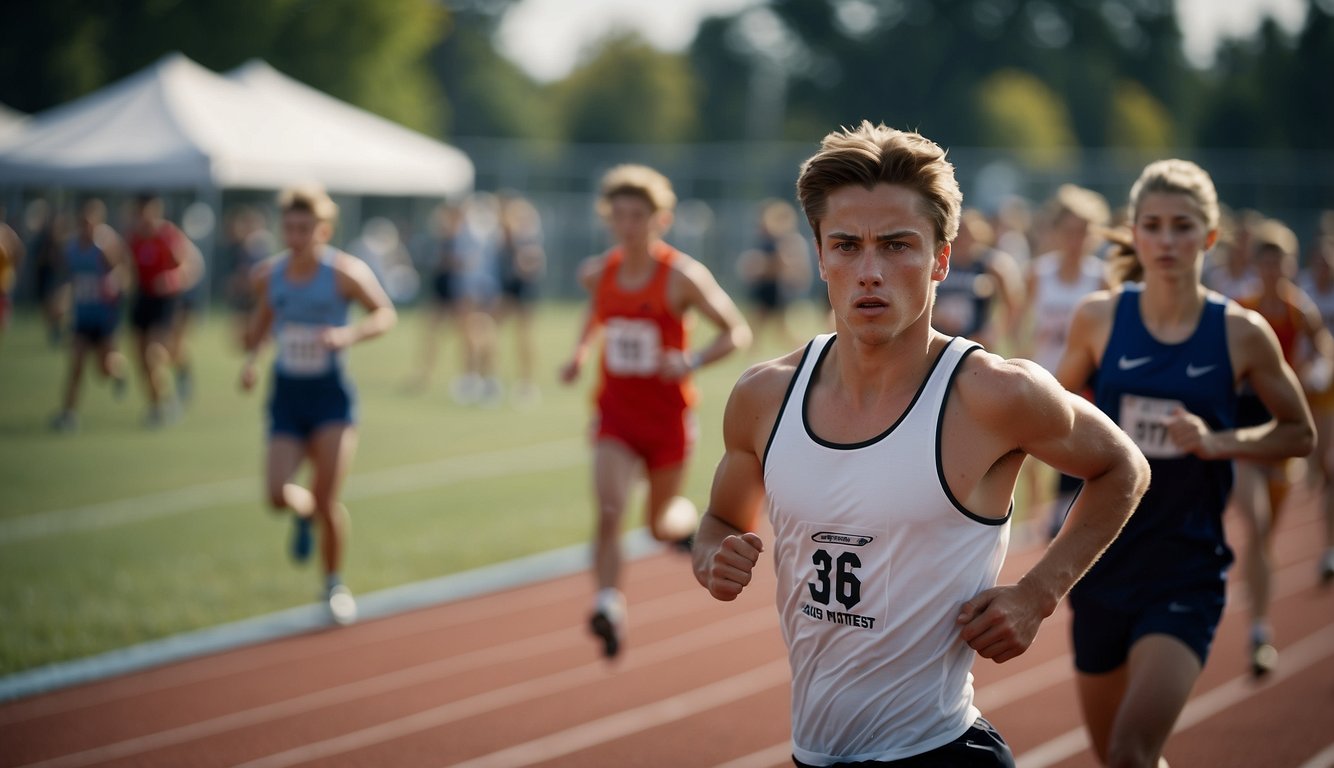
x=640, y=293
x=1262, y=486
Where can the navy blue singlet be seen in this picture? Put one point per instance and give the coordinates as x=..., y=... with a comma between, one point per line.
x=1175, y=538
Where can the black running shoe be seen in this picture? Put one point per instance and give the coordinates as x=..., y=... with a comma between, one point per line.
x=602, y=625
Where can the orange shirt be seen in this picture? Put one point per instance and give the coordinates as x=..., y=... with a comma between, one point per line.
x=1287, y=323
x=638, y=325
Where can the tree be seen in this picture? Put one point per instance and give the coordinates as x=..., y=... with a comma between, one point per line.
x=369, y=54
x=488, y=95
x=1021, y=113
x=628, y=92
x=1139, y=121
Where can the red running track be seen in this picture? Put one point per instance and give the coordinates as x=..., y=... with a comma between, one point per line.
x=514, y=679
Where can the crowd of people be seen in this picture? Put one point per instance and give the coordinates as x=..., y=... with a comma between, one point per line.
x=1169, y=339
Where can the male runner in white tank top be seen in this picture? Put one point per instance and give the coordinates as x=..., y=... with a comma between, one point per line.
x=886, y=455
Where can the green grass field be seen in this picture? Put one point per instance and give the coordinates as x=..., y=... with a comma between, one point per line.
x=118, y=534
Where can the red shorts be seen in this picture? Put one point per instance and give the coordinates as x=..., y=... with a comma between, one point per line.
x=660, y=442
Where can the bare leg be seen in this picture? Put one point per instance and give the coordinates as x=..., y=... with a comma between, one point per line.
x=284, y=457
x=78, y=350
x=615, y=469
x=331, y=449
x=1250, y=495
x=664, y=485
x=1130, y=712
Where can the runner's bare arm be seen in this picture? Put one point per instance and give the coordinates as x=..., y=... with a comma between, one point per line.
x=261, y=320
x=590, y=273
x=726, y=546
x=357, y=282
x=1256, y=358
x=698, y=289
x=1067, y=432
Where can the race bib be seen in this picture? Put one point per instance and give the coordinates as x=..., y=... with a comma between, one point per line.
x=633, y=347
x=1145, y=420
x=301, y=352
x=845, y=577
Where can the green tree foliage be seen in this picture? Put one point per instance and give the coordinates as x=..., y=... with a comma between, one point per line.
x=1139, y=121
x=1016, y=110
x=629, y=92
x=488, y=95
x=368, y=53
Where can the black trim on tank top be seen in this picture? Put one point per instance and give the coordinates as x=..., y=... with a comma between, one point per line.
x=791, y=385
x=940, y=464
x=806, y=398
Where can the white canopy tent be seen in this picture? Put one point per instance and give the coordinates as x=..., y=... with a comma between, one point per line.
x=177, y=125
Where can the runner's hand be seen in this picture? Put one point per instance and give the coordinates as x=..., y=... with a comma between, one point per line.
x=732, y=564
x=999, y=623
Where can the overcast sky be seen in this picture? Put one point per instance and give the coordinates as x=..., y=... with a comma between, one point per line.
x=545, y=36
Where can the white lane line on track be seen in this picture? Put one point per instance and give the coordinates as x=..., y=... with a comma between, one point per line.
x=541, y=457
x=663, y=608
x=633, y=721
x=695, y=641
x=1323, y=759
x=1304, y=653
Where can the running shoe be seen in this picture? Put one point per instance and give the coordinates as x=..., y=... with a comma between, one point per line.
x=65, y=421
x=303, y=538
x=1264, y=657
x=607, y=628
x=342, y=608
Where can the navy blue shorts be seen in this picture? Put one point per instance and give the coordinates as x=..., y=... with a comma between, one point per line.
x=97, y=328
x=298, y=407
x=149, y=313
x=979, y=747
x=1103, y=635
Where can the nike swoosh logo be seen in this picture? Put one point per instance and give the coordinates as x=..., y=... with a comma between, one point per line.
x=1126, y=363
x=1193, y=372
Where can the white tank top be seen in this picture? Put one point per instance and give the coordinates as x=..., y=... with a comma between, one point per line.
x=874, y=557
x=1054, y=304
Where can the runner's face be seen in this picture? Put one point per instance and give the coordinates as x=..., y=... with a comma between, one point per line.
x=632, y=220
x=879, y=255
x=302, y=232
x=1170, y=235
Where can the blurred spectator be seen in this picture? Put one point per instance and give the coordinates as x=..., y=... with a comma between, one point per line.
x=248, y=242
x=982, y=297
x=435, y=256
x=776, y=270
x=11, y=260
x=1013, y=226
x=43, y=248
x=522, y=264
x=477, y=287
x=1229, y=270
x=1057, y=281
